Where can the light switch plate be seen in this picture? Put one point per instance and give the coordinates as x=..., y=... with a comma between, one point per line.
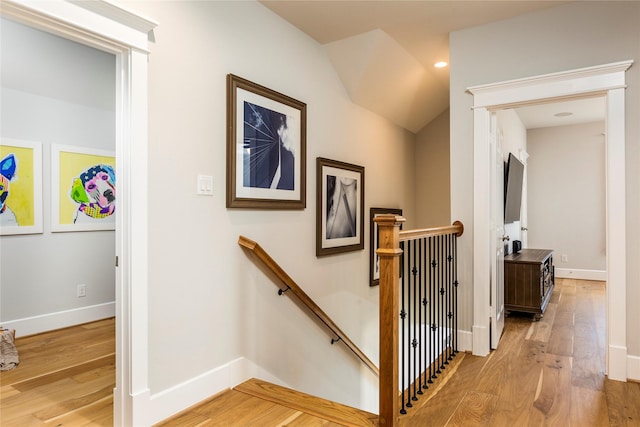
x=205, y=185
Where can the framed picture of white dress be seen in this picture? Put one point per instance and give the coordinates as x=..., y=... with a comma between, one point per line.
x=340, y=207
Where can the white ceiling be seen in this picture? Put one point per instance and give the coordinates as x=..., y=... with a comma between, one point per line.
x=384, y=51
x=563, y=113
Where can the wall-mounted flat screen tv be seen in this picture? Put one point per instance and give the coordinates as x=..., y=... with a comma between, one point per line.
x=514, y=176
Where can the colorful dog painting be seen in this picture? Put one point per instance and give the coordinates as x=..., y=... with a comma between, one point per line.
x=8, y=169
x=95, y=192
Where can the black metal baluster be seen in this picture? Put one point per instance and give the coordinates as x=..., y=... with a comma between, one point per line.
x=414, y=342
x=455, y=292
x=430, y=307
x=437, y=303
x=449, y=313
x=423, y=322
x=445, y=311
x=443, y=296
x=403, y=315
x=428, y=326
x=440, y=303
x=454, y=312
x=417, y=388
x=436, y=284
x=409, y=324
x=409, y=328
x=419, y=322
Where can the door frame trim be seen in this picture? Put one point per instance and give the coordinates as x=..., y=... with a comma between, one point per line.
x=607, y=80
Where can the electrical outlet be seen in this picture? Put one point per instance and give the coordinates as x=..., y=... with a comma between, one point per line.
x=82, y=291
x=564, y=258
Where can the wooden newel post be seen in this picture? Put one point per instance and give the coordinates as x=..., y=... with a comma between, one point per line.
x=389, y=252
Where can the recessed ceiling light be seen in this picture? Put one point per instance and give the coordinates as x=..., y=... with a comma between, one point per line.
x=563, y=114
x=440, y=64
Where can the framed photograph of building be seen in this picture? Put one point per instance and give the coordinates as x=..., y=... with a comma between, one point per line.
x=374, y=241
x=340, y=207
x=20, y=187
x=266, y=147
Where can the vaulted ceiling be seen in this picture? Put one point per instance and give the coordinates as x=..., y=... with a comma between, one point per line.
x=385, y=51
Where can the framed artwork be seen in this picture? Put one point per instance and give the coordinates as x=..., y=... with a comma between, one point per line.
x=266, y=147
x=374, y=270
x=340, y=207
x=20, y=187
x=83, y=189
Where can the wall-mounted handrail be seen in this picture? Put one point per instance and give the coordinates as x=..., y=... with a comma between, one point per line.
x=293, y=287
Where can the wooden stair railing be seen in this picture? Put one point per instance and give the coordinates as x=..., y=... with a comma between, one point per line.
x=292, y=287
x=456, y=228
x=390, y=253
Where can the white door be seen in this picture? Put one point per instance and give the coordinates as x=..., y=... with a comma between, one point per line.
x=524, y=236
x=498, y=239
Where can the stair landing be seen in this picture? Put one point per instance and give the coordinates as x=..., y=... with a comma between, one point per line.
x=259, y=403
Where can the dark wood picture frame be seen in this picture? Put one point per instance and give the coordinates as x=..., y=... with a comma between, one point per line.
x=374, y=274
x=266, y=147
x=340, y=207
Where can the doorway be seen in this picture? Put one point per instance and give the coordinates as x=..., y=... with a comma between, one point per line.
x=560, y=148
x=110, y=28
x=61, y=273
x=565, y=143
x=607, y=80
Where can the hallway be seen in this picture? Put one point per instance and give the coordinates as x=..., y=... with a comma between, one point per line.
x=546, y=373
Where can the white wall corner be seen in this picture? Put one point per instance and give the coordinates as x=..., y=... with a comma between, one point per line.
x=150, y=409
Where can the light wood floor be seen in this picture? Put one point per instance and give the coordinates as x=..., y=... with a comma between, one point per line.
x=65, y=378
x=546, y=373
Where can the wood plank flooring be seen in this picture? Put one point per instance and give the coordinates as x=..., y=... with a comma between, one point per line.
x=258, y=403
x=65, y=378
x=546, y=373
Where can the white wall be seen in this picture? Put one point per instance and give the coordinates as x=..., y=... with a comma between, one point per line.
x=433, y=194
x=56, y=92
x=564, y=37
x=209, y=305
x=567, y=180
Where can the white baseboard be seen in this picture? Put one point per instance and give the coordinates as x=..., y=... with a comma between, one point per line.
x=633, y=368
x=151, y=409
x=60, y=319
x=465, y=340
x=575, y=273
x=618, y=359
x=480, y=340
